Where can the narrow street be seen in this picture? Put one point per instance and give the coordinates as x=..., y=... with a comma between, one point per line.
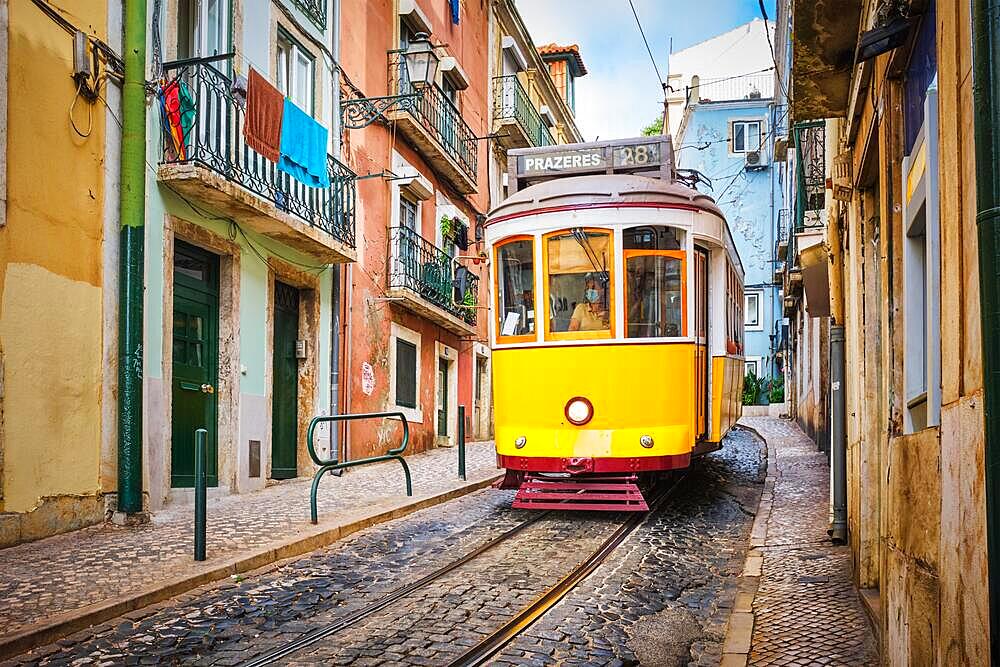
x=663, y=596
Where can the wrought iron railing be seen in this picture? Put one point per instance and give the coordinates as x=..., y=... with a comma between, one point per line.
x=730, y=89
x=213, y=138
x=810, y=173
x=420, y=266
x=436, y=114
x=512, y=102
x=315, y=10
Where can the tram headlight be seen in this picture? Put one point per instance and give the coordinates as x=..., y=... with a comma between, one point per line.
x=520, y=442
x=579, y=411
x=646, y=441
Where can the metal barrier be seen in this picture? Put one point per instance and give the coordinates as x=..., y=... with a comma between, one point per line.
x=331, y=465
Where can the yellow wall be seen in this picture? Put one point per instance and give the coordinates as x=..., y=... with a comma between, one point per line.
x=51, y=265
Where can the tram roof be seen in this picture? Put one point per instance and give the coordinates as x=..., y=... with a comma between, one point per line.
x=602, y=190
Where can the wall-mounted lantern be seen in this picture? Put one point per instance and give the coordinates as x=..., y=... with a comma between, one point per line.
x=419, y=65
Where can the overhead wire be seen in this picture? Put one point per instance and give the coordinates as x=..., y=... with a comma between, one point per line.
x=652, y=59
x=774, y=56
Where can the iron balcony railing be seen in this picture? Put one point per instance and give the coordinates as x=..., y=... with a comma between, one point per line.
x=512, y=102
x=810, y=174
x=733, y=88
x=213, y=139
x=315, y=10
x=436, y=114
x=420, y=266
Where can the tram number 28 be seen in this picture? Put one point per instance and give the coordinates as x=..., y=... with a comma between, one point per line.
x=642, y=154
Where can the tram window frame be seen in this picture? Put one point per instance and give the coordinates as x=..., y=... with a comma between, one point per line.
x=602, y=334
x=676, y=254
x=522, y=338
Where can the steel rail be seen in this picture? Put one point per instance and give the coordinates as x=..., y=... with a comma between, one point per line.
x=315, y=636
x=494, y=643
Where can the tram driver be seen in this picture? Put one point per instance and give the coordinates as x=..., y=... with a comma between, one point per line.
x=591, y=314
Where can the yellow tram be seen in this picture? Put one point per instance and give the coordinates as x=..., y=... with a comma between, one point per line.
x=618, y=324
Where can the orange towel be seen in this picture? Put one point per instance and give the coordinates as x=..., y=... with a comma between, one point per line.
x=262, y=128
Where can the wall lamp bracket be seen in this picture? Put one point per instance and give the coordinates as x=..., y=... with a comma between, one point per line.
x=360, y=113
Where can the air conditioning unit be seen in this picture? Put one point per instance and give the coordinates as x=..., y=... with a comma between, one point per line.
x=755, y=160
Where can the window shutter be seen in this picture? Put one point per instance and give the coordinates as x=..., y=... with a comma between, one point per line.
x=406, y=373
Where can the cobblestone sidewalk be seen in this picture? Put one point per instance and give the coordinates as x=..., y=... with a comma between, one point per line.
x=58, y=575
x=806, y=610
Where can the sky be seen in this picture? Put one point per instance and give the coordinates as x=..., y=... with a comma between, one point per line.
x=620, y=94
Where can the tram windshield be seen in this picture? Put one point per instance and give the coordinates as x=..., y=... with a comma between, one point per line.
x=654, y=294
x=516, y=288
x=579, y=282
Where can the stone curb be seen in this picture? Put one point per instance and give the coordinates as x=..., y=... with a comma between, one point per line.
x=739, y=629
x=312, y=538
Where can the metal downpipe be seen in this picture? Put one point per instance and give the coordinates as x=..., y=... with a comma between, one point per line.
x=132, y=209
x=986, y=111
x=838, y=435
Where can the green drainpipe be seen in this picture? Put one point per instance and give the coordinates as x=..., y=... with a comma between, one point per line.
x=130, y=270
x=986, y=109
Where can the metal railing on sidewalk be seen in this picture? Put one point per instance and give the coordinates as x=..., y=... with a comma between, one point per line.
x=329, y=465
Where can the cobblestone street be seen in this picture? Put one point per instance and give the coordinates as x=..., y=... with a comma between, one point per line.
x=105, y=561
x=662, y=598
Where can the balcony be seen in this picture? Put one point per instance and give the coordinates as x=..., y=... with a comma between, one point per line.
x=315, y=10
x=216, y=168
x=420, y=276
x=784, y=230
x=515, y=118
x=436, y=128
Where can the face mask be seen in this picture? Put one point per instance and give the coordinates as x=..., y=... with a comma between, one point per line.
x=591, y=295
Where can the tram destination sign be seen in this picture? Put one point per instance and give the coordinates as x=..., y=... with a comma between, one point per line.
x=589, y=160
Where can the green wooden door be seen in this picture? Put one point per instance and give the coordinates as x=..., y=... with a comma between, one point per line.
x=285, y=383
x=195, y=361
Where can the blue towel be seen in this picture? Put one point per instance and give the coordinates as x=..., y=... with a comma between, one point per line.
x=303, y=147
x=454, y=11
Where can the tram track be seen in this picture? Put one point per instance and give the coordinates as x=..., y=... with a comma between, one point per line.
x=492, y=644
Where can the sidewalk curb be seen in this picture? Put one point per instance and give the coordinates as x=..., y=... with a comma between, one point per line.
x=310, y=539
x=739, y=629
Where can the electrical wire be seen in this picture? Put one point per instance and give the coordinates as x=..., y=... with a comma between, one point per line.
x=774, y=57
x=652, y=59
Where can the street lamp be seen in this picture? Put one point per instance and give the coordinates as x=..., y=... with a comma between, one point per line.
x=418, y=70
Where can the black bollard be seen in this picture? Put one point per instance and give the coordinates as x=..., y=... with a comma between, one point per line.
x=200, y=493
x=461, y=441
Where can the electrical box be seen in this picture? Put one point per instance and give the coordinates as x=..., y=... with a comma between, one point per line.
x=81, y=63
x=301, y=349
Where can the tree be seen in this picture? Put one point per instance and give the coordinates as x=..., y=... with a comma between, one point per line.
x=653, y=129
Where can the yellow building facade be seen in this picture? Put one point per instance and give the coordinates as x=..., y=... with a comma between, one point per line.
x=57, y=282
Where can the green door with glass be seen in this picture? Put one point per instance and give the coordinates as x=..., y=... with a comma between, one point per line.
x=442, y=413
x=285, y=383
x=195, y=362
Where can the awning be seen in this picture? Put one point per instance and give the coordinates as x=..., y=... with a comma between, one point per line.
x=825, y=38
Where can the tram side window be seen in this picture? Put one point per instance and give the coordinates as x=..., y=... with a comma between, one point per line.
x=654, y=295
x=579, y=282
x=516, y=289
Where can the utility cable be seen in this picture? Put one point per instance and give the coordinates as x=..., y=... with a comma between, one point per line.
x=663, y=84
x=774, y=57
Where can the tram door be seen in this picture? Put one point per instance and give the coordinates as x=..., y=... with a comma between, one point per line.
x=702, y=395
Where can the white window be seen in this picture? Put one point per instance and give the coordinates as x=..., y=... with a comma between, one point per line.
x=745, y=136
x=753, y=303
x=922, y=276
x=202, y=28
x=404, y=366
x=752, y=365
x=294, y=74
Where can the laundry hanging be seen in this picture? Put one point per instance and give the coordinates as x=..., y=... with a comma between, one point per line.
x=454, y=10
x=303, y=147
x=265, y=110
x=177, y=115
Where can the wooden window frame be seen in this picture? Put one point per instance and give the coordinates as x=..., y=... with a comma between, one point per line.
x=676, y=254
x=610, y=333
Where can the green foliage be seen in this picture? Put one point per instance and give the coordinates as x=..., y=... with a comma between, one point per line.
x=447, y=227
x=776, y=393
x=752, y=386
x=469, y=299
x=653, y=129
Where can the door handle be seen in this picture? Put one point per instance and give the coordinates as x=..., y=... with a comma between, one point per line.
x=207, y=389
